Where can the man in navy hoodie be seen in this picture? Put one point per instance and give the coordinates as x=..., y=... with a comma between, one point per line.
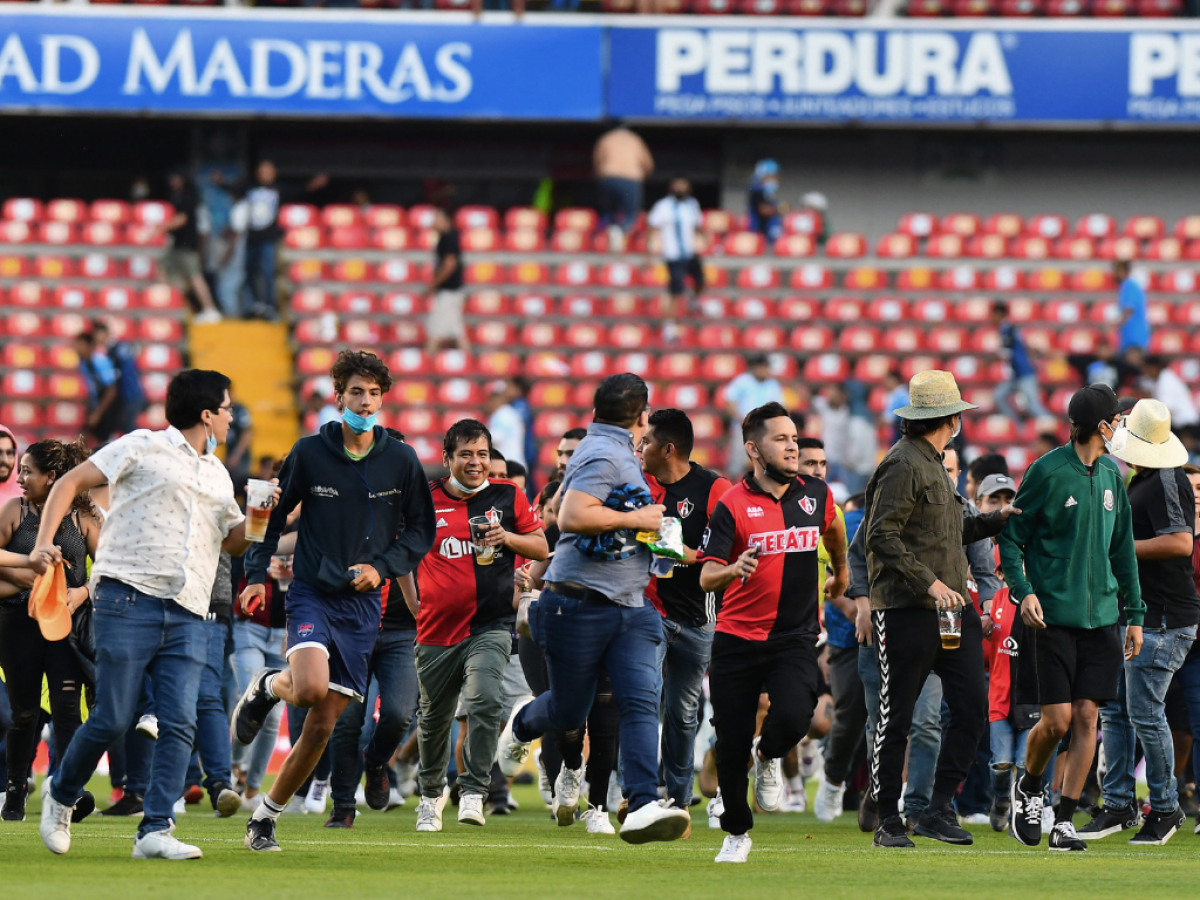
x=368, y=516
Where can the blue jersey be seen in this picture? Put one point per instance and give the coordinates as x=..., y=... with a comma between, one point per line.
x=1135, y=332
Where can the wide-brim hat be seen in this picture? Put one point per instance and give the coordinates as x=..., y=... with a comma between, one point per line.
x=931, y=395
x=1151, y=444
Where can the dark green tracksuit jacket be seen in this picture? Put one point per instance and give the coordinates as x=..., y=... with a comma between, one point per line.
x=1072, y=545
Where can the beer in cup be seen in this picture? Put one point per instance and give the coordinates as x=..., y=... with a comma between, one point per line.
x=258, y=508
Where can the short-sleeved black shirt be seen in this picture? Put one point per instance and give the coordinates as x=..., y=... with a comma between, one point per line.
x=448, y=245
x=187, y=235
x=1163, y=503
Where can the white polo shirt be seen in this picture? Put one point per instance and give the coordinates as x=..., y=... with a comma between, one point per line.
x=169, y=510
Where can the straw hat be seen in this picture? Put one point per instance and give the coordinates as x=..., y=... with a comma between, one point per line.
x=931, y=395
x=1151, y=444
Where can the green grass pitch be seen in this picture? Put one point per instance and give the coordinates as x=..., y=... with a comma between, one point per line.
x=527, y=856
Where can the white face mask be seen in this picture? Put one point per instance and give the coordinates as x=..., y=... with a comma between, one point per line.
x=1119, y=438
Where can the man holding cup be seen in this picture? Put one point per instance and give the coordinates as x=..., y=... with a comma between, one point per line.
x=915, y=532
x=368, y=516
x=466, y=618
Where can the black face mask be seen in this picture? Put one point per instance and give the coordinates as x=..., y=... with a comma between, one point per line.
x=775, y=474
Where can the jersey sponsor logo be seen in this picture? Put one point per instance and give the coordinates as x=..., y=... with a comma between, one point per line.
x=441, y=511
x=305, y=630
x=453, y=548
x=1010, y=647
x=320, y=490
x=754, y=512
x=1109, y=502
x=704, y=539
x=442, y=523
x=790, y=540
x=685, y=507
x=809, y=505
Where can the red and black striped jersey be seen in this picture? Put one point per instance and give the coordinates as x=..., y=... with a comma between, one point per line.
x=459, y=597
x=780, y=598
x=691, y=499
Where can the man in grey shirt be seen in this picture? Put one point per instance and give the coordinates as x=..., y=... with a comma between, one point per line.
x=593, y=611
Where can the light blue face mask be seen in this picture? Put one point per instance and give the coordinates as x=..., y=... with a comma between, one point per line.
x=210, y=441
x=359, y=424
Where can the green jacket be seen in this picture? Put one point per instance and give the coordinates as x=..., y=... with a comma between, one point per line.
x=1072, y=545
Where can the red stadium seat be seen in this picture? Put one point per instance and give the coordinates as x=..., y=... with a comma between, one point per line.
x=678, y=366
x=305, y=270
x=845, y=309
x=355, y=303
x=911, y=365
x=843, y=8
x=409, y=361
x=489, y=302
x=384, y=216
x=14, y=266
x=971, y=8
x=826, y=368
x=152, y=212
x=925, y=9
x=945, y=246
x=540, y=335
x=22, y=383
x=865, y=278
x=713, y=7
x=872, y=368
x=1008, y=225
x=1180, y=281
x=1096, y=226
x=53, y=266
x=714, y=307
x=960, y=278
x=718, y=337
x=750, y=308
x=887, y=309
x=903, y=339
x=485, y=272
x=1167, y=249
x=579, y=274
x=524, y=218
x=763, y=338
x=495, y=334
x=469, y=218
x=759, y=276
x=24, y=325
x=1064, y=312
x=811, y=339
x=585, y=335
x=1076, y=248
x=580, y=306
x=162, y=297
x=1031, y=247
x=641, y=364
x=575, y=219
x=533, y=306
x=458, y=392
x=481, y=240
x=347, y=237
x=393, y=240
x=66, y=415
x=688, y=397
x=452, y=362
x=498, y=364
x=25, y=356
x=56, y=232
x=71, y=297
x=1046, y=280
x=1077, y=340
x=722, y=367
x=1170, y=343
x=30, y=294
x=630, y=335
x=525, y=240
x=571, y=241
x=71, y=211
x=22, y=414
x=859, y=339
x=1005, y=278
x=1144, y=228
x=916, y=278
x=1125, y=247
x=896, y=246
x=987, y=246
x=807, y=222
x=1154, y=9
x=1020, y=8
x=66, y=386
x=16, y=232
x=1110, y=8
x=593, y=364
x=23, y=209
x=935, y=309
x=966, y=369
x=103, y=234
x=799, y=309
x=810, y=276
x=918, y=225
x=1188, y=228
x=1050, y=227
x=298, y=215
x=362, y=332
x=846, y=245
x=744, y=243
x=341, y=215
x=141, y=235
x=160, y=329
x=963, y=224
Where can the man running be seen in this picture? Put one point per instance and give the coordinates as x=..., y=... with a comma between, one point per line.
x=689, y=492
x=761, y=550
x=466, y=618
x=368, y=516
x=1071, y=564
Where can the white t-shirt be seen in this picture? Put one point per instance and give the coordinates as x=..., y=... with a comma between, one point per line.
x=1170, y=389
x=508, y=433
x=677, y=222
x=746, y=393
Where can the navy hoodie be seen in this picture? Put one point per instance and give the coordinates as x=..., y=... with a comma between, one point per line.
x=377, y=511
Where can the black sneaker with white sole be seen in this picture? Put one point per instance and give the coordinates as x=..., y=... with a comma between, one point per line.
x=260, y=836
x=254, y=707
x=892, y=833
x=1159, y=828
x=942, y=825
x=1064, y=838
x=342, y=818
x=130, y=804
x=1111, y=820
x=1026, y=822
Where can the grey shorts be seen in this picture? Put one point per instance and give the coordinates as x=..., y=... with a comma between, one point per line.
x=515, y=687
x=179, y=267
x=445, y=318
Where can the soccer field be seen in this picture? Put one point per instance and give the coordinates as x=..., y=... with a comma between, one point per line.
x=527, y=856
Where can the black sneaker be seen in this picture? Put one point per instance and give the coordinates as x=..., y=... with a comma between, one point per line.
x=1065, y=838
x=998, y=814
x=377, y=789
x=942, y=825
x=1026, y=819
x=1110, y=820
x=83, y=808
x=260, y=836
x=892, y=833
x=254, y=707
x=868, y=814
x=341, y=818
x=130, y=804
x=1159, y=828
x=14, y=803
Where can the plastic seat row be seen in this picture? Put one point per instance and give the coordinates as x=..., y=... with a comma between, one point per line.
x=994, y=246
x=27, y=325
x=64, y=419
x=114, y=298
x=1050, y=226
x=151, y=357
x=78, y=212
x=91, y=234
x=90, y=265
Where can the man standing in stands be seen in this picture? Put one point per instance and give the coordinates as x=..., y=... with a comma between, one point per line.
x=677, y=219
x=761, y=550
x=1070, y=562
x=750, y=390
x=180, y=265
x=622, y=162
x=1022, y=374
x=445, y=294
x=689, y=492
x=915, y=532
x=368, y=516
x=1131, y=302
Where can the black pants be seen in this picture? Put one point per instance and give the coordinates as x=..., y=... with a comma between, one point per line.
x=602, y=730
x=849, y=714
x=909, y=647
x=741, y=670
x=25, y=657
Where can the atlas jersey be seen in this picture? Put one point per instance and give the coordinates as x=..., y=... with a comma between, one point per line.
x=459, y=597
x=780, y=598
x=691, y=499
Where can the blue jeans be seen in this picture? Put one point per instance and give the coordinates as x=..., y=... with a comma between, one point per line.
x=1140, y=712
x=255, y=647
x=620, y=201
x=924, y=738
x=260, y=274
x=394, y=678
x=577, y=638
x=212, y=725
x=683, y=658
x=1189, y=680
x=1029, y=387
x=138, y=634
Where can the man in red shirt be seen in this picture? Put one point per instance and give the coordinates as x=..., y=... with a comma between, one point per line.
x=761, y=550
x=465, y=618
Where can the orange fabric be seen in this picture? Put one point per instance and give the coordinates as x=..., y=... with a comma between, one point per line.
x=48, y=603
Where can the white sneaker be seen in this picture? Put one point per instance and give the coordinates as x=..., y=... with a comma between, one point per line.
x=296, y=806
x=735, y=849
x=659, y=821
x=395, y=800
x=147, y=726
x=795, y=795
x=566, y=794
x=250, y=804
x=407, y=773
x=716, y=808
x=1048, y=819
x=511, y=753
x=976, y=819
x=164, y=845
x=828, y=805
x=360, y=796
x=812, y=758
x=208, y=317
x=470, y=809
x=429, y=812
x=545, y=788
x=768, y=780
x=318, y=796
x=180, y=807
x=598, y=822
x=55, y=827
x=615, y=796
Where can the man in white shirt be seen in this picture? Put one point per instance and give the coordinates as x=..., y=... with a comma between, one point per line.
x=677, y=219
x=172, y=511
x=753, y=388
x=1171, y=391
x=505, y=423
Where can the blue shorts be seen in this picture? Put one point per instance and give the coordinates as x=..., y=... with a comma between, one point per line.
x=345, y=626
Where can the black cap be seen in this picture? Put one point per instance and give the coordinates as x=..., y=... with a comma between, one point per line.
x=1096, y=403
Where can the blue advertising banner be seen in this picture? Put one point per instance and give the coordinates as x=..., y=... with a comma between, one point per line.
x=298, y=64
x=907, y=73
